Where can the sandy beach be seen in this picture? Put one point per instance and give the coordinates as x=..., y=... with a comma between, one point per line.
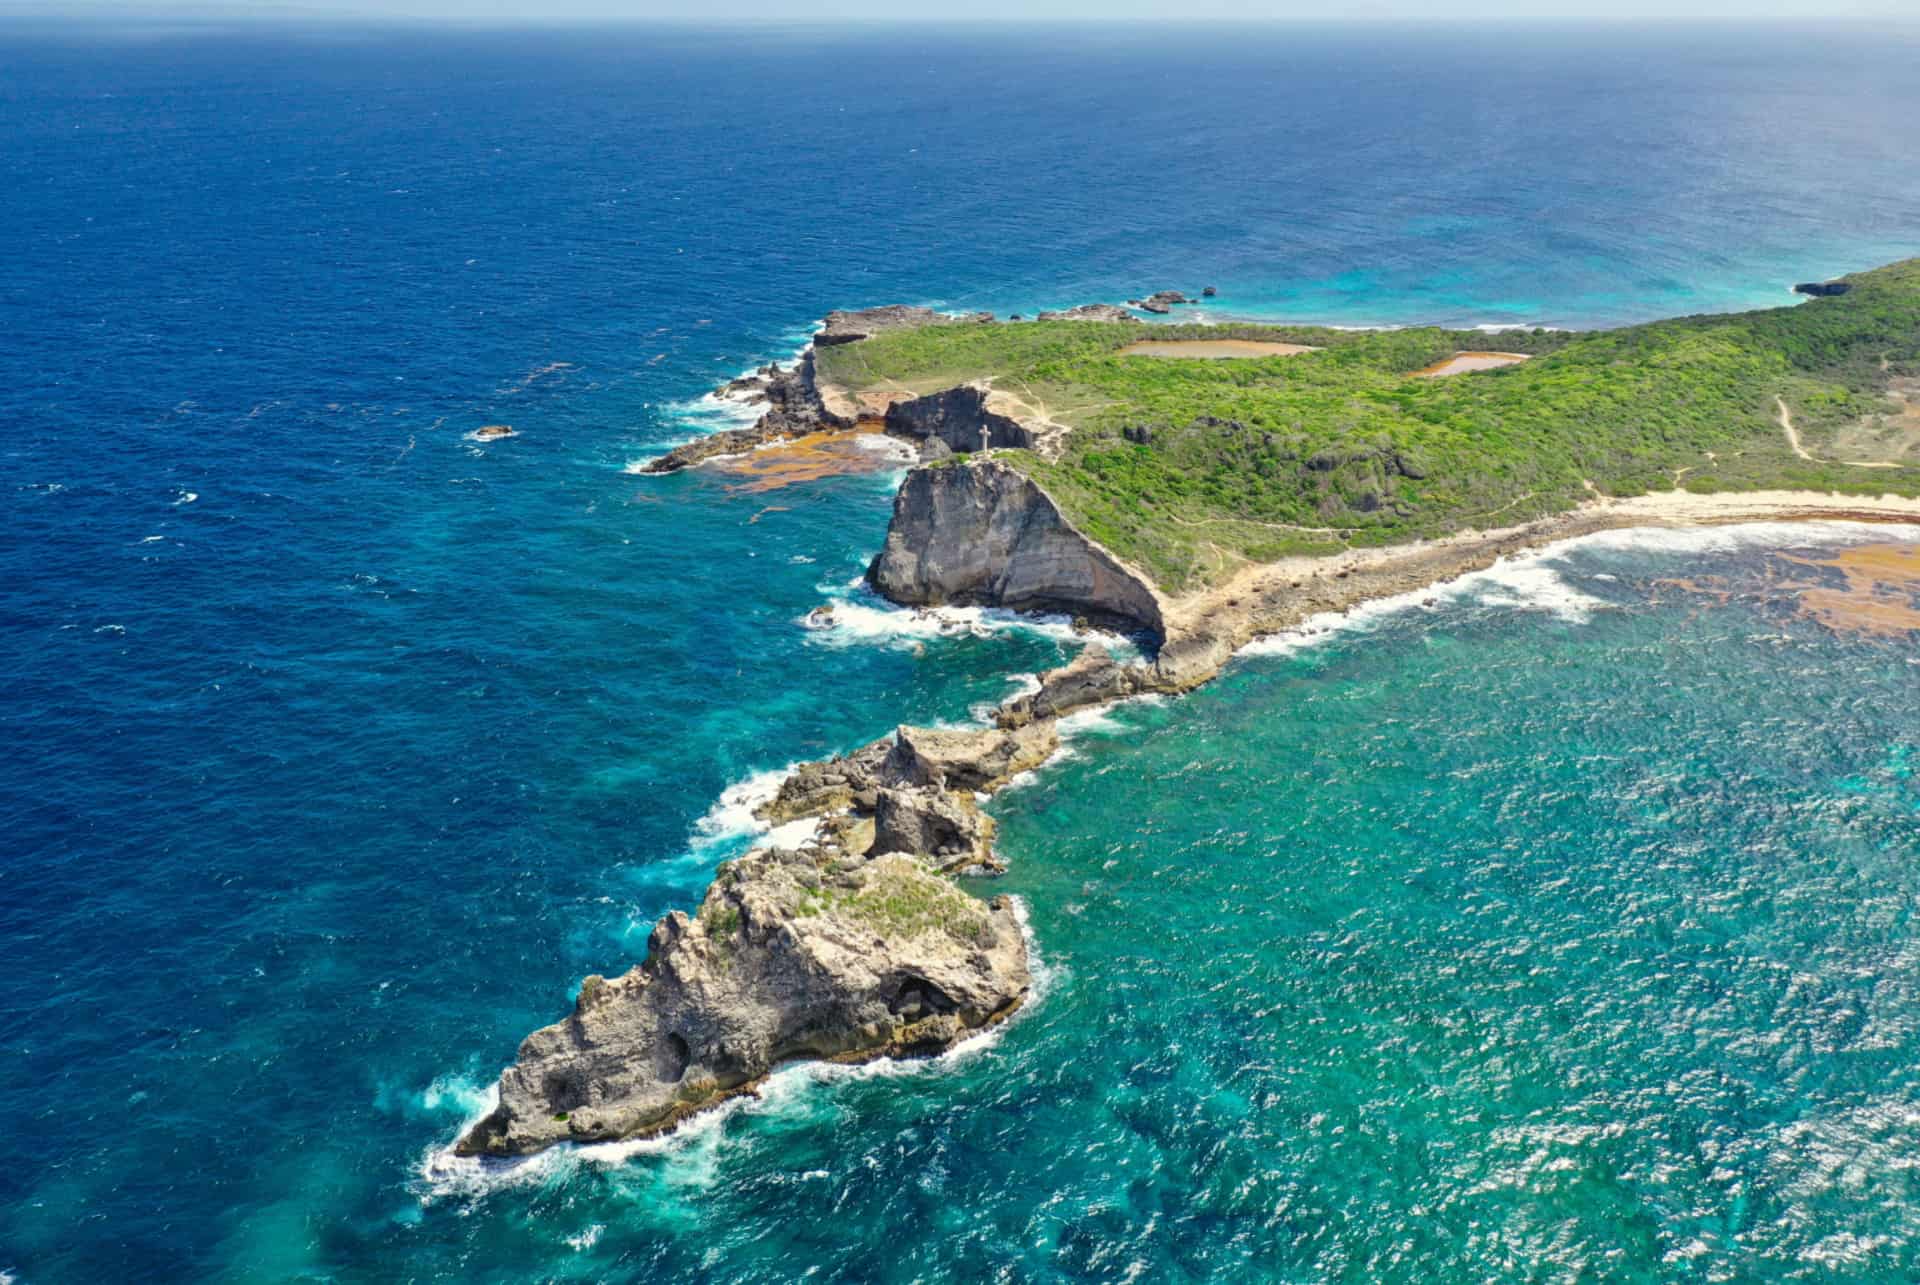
x=1204, y=629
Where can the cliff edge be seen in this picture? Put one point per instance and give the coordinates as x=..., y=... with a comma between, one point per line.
x=978, y=532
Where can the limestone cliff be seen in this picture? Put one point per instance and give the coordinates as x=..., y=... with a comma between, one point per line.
x=980, y=532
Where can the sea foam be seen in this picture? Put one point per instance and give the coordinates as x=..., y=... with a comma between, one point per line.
x=860, y=617
x=1538, y=581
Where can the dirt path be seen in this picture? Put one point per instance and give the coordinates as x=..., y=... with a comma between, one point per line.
x=1793, y=440
x=1793, y=436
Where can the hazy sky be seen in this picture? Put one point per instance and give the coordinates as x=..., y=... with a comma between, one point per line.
x=1074, y=10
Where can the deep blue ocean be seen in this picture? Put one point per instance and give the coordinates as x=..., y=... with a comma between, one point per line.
x=1565, y=930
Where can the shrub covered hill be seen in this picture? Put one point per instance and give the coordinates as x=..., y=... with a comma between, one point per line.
x=1190, y=467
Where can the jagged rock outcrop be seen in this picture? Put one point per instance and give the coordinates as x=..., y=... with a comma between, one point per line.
x=830, y=785
x=913, y=758
x=1091, y=312
x=794, y=409
x=962, y=759
x=750, y=387
x=956, y=419
x=945, y=828
x=792, y=955
x=981, y=532
x=1823, y=289
x=845, y=327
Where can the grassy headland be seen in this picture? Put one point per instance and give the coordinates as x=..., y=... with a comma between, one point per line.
x=1192, y=468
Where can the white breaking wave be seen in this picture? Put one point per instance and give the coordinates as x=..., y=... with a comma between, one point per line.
x=889, y=448
x=855, y=616
x=710, y=412
x=1525, y=584
x=1536, y=582
x=1099, y=720
x=732, y=815
x=1740, y=536
x=458, y=1091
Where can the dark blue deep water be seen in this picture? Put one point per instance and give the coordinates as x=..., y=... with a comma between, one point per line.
x=1566, y=931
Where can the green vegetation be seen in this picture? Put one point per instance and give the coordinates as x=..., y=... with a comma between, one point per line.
x=1188, y=468
x=898, y=899
x=722, y=923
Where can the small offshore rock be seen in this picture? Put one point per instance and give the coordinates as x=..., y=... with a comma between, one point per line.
x=1091, y=312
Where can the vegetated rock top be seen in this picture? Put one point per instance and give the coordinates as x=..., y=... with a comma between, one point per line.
x=856, y=946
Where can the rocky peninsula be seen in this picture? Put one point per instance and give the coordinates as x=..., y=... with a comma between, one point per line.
x=852, y=946
x=856, y=943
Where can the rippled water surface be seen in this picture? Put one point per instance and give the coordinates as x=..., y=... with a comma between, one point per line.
x=1562, y=930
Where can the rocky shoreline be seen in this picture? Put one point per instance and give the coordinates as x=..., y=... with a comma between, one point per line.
x=855, y=943
x=941, y=423
x=851, y=946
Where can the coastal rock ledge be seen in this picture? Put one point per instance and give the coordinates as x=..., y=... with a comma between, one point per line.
x=791, y=955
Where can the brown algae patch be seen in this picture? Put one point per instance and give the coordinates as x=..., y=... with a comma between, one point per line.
x=804, y=459
x=1880, y=594
x=1213, y=349
x=1462, y=363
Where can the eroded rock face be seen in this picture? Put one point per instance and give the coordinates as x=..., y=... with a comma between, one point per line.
x=980, y=532
x=1823, y=289
x=792, y=955
x=962, y=759
x=947, y=828
x=955, y=420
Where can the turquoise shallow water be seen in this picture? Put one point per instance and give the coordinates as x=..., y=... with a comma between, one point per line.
x=1561, y=930
x=1529, y=938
